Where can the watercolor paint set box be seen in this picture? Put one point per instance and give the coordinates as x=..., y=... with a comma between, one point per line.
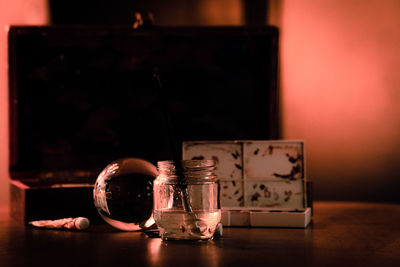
x=262, y=183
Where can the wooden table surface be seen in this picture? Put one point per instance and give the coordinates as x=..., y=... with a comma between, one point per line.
x=341, y=234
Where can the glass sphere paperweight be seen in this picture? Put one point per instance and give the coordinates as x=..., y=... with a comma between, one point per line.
x=123, y=194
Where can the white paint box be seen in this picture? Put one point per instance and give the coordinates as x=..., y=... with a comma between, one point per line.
x=263, y=182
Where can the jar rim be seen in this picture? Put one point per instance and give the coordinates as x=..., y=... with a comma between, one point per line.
x=188, y=163
x=190, y=169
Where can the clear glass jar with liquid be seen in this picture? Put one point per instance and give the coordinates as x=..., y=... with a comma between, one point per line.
x=186, y=201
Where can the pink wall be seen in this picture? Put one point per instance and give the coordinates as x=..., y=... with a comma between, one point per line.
x=12, y=12
x=340, y=81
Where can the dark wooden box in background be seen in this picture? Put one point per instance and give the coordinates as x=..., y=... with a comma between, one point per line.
x=81, y=97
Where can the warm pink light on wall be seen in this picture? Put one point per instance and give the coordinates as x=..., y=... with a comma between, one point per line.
x=12, y=12
x=340, y=91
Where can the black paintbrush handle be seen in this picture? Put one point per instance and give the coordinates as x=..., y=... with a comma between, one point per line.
x=175, y=156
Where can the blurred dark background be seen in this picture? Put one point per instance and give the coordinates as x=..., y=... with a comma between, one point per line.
x=338, y=77
x=166, y=13
x=93, y=72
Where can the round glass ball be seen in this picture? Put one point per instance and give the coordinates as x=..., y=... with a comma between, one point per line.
x=123, y=194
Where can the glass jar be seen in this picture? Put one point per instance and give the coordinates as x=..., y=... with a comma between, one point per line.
x=186, y=201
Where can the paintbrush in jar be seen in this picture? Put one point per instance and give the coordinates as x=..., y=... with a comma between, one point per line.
x=187, y=207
